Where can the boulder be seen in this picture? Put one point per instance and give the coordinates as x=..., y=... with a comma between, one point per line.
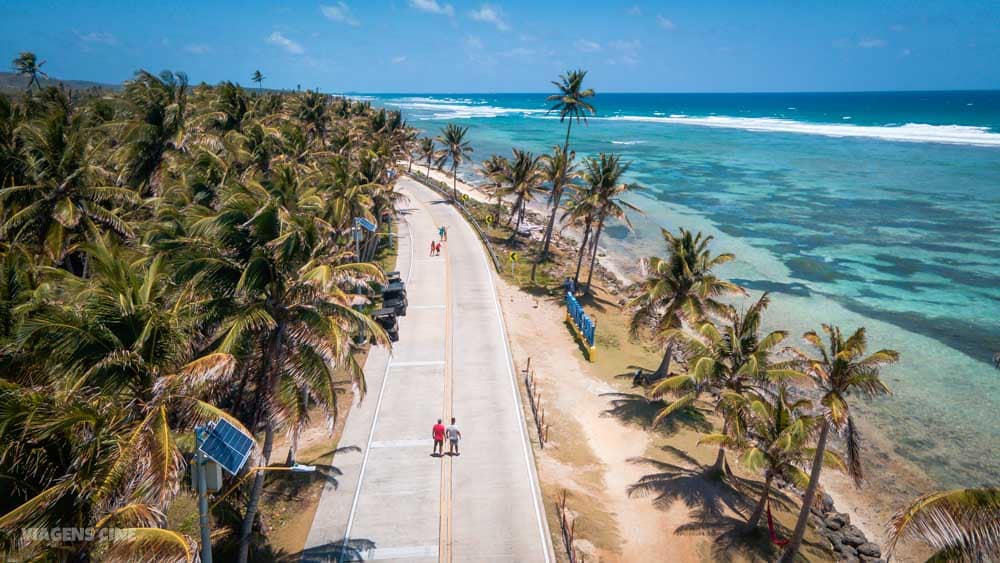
x=833, y=523
x=853, y=536
x=846, y=550
x=870, y=549
x=827, y=503
x=840, y=518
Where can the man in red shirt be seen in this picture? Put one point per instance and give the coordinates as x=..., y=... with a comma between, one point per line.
x=438, y=434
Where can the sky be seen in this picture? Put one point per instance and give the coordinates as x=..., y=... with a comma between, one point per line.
x=520, y=45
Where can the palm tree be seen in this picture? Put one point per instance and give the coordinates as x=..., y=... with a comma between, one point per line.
x=559, y=170
x=65, y=191
x=726, y=361
x=290, y=293
x=26, y=64
x=839, y=369
x=603, y=173
x=311, y=111
x=455, y=149
x=581, y=210
x=681, y=288
x=494, y=169
x=425, y=148
x=522, y=179
x=778, y=444
x=962, y=524
x=259, y=79
x=571, y=102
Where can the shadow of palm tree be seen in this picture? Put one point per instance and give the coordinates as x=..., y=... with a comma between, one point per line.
x=731, y=539
x=292, y=484
x=638, y=410
x=333, y=552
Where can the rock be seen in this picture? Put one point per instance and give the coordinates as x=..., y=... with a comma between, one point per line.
x=827, y=503
x=853, y=536
x=870, y=549
x=837, y=521
x=846, y=549
x=836, y=538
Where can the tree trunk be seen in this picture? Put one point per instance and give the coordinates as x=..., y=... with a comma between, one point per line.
x=409, y=167
x=759, y=510
x=246, y=530
x=569, y=126
x=579, y=260
x=720, y=458
x=428, y=168
x=664, y=369
x=593, y=256
x=800, y=526
x=454, y=182
x=556, y=196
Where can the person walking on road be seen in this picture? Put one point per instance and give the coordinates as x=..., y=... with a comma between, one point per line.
x=454, y=435
x=443, y=233
x=437, y=249
x=433, y=247
x=437, y=432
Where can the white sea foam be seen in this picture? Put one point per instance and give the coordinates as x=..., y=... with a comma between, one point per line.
x=909, y=132
x=455, y=108
x=627, y=142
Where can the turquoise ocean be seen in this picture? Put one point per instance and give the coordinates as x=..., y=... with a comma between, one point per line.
x=879, y=210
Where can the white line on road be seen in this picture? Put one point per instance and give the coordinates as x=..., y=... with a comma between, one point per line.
x=418, y=363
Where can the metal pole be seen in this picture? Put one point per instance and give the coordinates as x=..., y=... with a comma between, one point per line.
x=206, y=534
x=357, y=242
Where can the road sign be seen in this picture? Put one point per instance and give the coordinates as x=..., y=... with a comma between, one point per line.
x=513, y=257
x=227, y=445
x=365, y=224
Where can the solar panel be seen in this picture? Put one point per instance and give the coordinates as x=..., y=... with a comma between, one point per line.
x=228, y=446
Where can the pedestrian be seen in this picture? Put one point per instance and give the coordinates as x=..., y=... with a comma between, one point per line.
x=442, y=233
x=437, y=249
x=454, y=435
x=433, y=247
x=437, y=432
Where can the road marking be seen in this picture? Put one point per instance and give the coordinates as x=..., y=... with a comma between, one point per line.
x=412, y=307
x=407, y=552
x=445, y=526
x=418, y=363
x=402, y=443
x=371, y=432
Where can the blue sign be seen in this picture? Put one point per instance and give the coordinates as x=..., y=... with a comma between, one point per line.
x=582, y=321
x=227, y=445
x=365, y=224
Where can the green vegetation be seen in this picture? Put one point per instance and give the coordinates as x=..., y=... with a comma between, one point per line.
x=172, y=255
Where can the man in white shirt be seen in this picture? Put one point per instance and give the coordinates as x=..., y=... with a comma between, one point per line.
x=453, y=435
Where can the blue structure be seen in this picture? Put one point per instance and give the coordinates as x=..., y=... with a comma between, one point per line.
x=582, y=324
x=226, y=445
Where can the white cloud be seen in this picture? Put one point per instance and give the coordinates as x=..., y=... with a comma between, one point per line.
x=586, y=46
x=664, y=22
x=398, y=60
x=473, y=42
x=285, y=43
x=433, y=7
x=625, y=46
x=489, y=14
x=872, y=43
x=198, y=49
x=518, y=52
x=98, y=37
x=341, y=12
x=634, y=11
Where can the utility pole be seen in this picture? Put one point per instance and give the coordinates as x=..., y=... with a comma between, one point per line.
x=199, y=461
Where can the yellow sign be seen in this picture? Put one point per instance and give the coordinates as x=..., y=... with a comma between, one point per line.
x=489, y=219
x=513, y=257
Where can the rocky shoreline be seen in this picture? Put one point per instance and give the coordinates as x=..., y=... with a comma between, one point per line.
x=847, y=540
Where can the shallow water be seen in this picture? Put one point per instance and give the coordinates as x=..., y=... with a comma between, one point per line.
x=875, y=210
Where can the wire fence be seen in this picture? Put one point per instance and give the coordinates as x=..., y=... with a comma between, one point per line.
x=443, y=190
x=567, y=526
x=535, y=400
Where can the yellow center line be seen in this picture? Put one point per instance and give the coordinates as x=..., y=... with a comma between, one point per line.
x=445, y=528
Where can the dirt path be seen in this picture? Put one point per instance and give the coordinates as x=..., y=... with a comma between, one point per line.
x=589, y=451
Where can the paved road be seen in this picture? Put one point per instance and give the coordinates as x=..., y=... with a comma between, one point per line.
x=396, y=502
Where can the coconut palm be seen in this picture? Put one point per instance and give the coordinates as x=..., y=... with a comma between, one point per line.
x=839, y=369
x=26, y=64
x=726, y=361
x=963, y=525
x=311, y=112
x=681, y=288
x=571, y=101
x=559, y=170
x=778, y=444
x=425, y=148
x=455, y=150
x=494, y=169
x=153, y=127
x=65, y=190
x=269, y=254
x=521, y=178
x=259, y=79
x=603, y=173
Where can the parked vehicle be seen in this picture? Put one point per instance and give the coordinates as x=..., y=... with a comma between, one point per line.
x=393, y=277
x=394, y=297
x=386, y=318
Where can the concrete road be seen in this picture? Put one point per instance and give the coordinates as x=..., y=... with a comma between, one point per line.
x=394, y=501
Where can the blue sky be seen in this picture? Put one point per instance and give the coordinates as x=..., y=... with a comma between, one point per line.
x=519, y=46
